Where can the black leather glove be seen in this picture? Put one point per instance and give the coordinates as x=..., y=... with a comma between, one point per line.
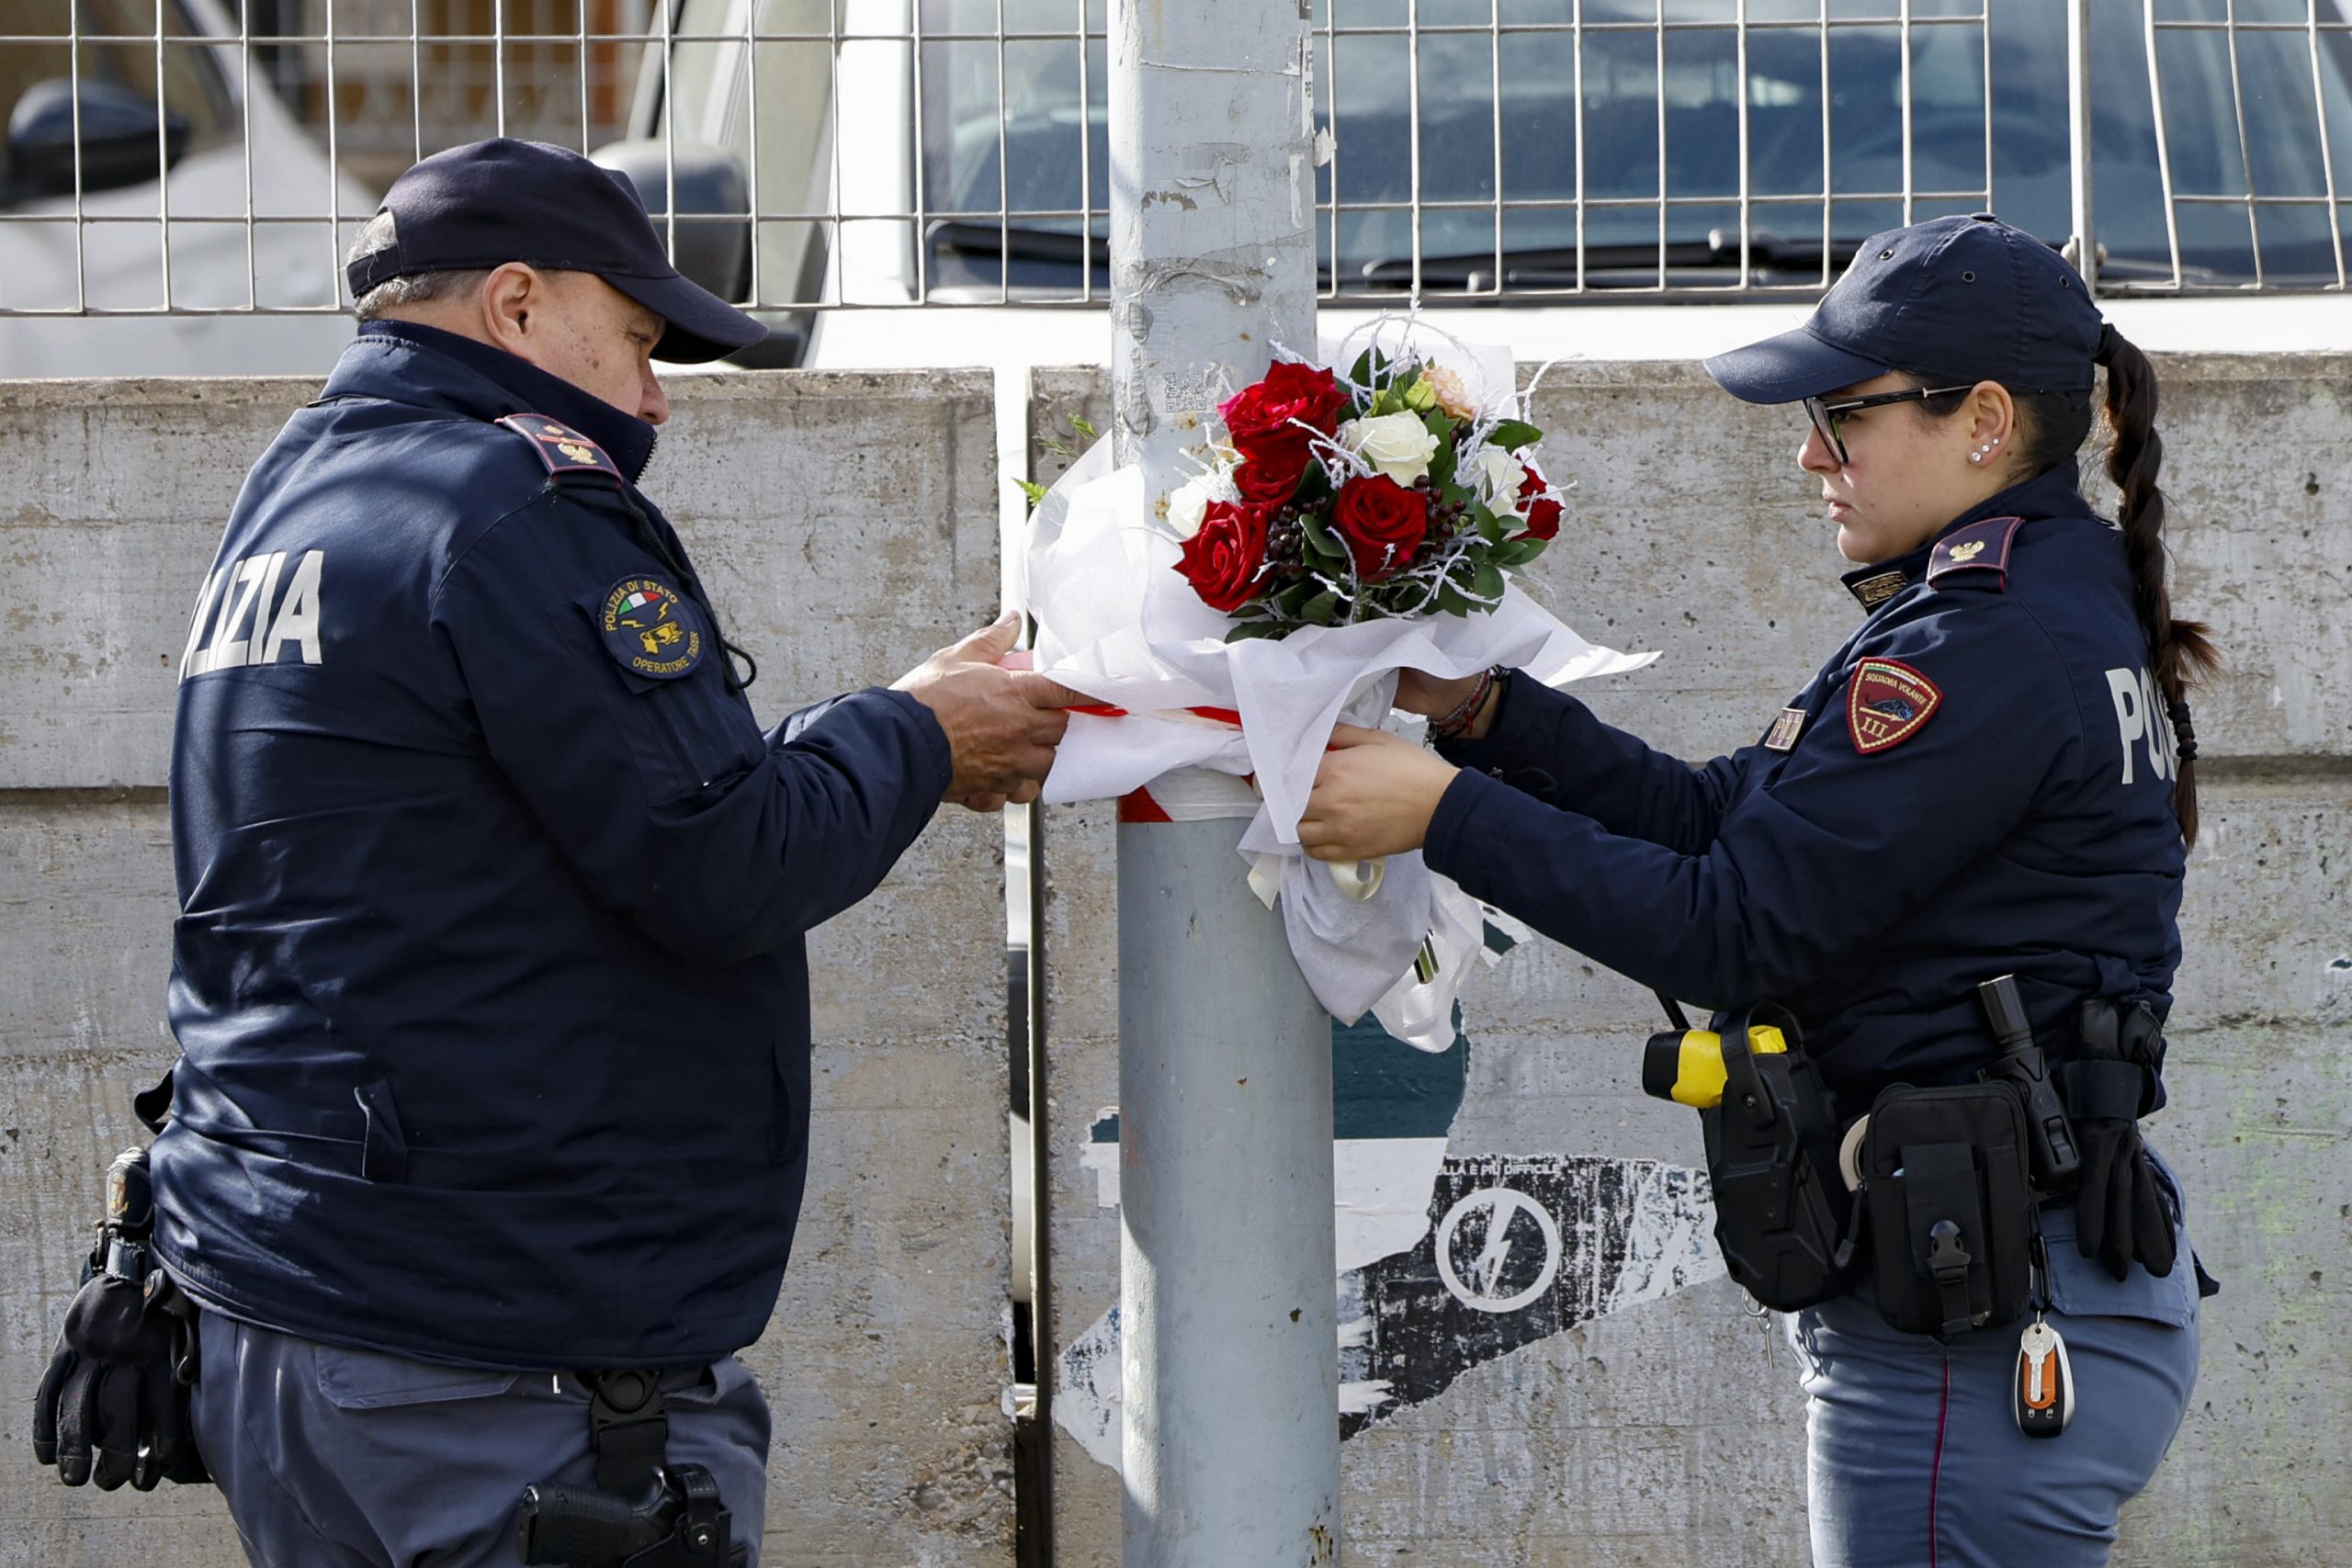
x=113, y=1404
x=2121, y=1215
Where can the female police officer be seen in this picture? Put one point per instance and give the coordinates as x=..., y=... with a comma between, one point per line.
x=1993, y=775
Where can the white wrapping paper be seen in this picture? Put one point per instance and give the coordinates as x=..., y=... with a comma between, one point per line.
x=1117, y=622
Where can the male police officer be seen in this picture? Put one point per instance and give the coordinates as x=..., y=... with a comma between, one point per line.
x=489, y=979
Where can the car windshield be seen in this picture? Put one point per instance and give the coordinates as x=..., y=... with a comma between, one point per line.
x=1660, y=117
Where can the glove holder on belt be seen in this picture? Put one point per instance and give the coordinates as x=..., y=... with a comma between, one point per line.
x=116, y=1402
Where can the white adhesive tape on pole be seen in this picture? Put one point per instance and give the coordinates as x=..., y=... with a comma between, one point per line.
x=1203, y=795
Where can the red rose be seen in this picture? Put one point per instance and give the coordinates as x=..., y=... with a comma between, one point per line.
x=1271, y=484
x=1273, y=424
x=1382, y=523
x=1224, y=559
x=1544, y=515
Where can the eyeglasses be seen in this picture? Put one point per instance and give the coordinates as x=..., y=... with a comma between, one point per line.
x=1826, y=416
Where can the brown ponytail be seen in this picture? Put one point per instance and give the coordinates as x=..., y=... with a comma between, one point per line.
x=2182, y=651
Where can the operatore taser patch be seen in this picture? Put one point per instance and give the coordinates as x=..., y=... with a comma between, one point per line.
x=1887, y=702
x=650, y=628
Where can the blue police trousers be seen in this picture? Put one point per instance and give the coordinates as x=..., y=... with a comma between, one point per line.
x=331, y=1458
x=1914, y=1459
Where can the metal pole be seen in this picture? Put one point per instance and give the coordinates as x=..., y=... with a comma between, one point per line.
x=2078, y=135
x=1228, y=1300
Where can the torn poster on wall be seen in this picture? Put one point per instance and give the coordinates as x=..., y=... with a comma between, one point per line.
x=1444, y=1261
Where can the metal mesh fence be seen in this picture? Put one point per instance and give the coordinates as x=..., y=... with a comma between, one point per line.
x=898, y=153
x=411, y=76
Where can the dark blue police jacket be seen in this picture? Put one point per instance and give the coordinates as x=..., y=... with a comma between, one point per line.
x=1978, y=783
x=488, y=979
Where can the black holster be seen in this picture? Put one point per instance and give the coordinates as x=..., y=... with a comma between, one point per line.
x=1782, y=1216
x=643, y=1512
x=1946, y=1175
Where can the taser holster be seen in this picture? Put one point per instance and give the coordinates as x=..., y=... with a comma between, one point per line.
x=1782, y=1217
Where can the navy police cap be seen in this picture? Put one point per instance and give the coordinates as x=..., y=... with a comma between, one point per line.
x=1967, y=299
x=493, y=202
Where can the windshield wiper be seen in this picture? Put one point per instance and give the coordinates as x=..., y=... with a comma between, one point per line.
x=1605, y=265
x=1015, y=242
x=1535, y=266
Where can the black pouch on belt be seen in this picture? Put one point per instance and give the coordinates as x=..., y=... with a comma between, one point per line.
x=1946, y=1181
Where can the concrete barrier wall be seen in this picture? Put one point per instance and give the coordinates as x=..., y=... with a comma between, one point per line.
x=1634, y=1412
x=846, y=524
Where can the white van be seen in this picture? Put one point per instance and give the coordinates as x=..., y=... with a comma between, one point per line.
x=194, y=167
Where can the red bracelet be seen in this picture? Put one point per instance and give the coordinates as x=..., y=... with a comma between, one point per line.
x=1453, y=725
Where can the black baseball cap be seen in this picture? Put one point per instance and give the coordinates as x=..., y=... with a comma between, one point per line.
x=493, y=202
x=1967, y=298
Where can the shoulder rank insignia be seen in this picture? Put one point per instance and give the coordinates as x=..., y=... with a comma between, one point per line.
x=563, y=449
x=652, y=629
x=1783, y=736
x=1887, y=702
x=1980, y=552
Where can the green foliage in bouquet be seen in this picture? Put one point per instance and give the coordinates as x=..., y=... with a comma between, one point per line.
x=1380, y=495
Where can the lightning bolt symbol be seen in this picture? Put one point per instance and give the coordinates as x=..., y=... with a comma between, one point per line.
x=1496, y=1252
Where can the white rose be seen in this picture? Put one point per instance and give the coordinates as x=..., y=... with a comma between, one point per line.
x=1397, y=444
x=1187, y=504
x=1499, y=476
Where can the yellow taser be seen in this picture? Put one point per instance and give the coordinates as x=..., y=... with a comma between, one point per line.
x=1687, y=1066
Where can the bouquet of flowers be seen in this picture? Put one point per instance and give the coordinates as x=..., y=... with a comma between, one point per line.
x=1385, y=494
x=1339, y=529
